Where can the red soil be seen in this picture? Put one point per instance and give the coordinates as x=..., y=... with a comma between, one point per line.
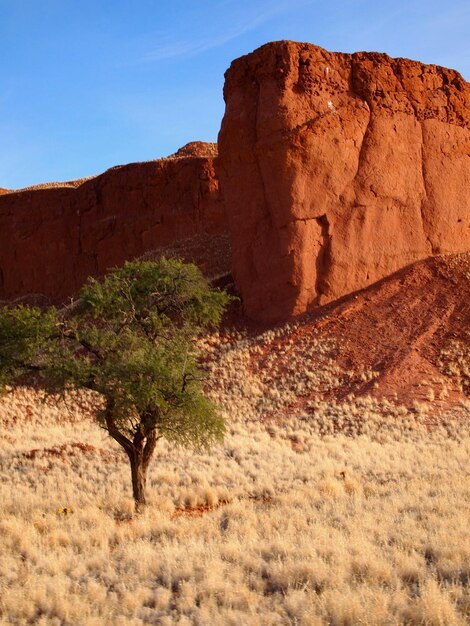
x=397, y=327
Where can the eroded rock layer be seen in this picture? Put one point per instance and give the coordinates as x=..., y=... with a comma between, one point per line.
x=339, y=169
x=53, y=236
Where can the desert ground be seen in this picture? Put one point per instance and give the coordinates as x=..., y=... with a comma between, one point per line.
x=340, y=496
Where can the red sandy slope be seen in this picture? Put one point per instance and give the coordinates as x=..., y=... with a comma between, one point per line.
x=400, y=328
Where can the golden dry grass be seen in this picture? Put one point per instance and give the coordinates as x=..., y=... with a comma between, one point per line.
x=341, y=514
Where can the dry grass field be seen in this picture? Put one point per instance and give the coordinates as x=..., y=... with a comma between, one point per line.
x=351, y=512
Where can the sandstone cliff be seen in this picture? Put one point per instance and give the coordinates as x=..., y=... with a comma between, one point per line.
x=53, y=236
x=339, y=169
x=336, y=170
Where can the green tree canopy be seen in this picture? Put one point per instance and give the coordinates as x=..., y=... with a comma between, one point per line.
x=130, y=338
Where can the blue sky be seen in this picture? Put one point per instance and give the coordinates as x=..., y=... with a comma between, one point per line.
x=88, y=84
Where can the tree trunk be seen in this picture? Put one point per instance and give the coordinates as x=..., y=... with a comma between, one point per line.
x=139, y=456
x=139, y=450
x=139, y=478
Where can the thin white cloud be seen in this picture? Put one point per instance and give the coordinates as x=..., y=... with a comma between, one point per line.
x=171, y=49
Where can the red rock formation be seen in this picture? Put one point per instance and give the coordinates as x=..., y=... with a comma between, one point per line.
x=53, y=236
x=339, y=169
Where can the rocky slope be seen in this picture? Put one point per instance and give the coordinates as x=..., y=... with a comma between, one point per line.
x=338, y=170
x=402, y=342
x=53, y=236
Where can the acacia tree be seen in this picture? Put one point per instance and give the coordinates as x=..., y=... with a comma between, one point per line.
x=130, y=338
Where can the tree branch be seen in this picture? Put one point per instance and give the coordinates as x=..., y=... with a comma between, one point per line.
x=116, y=434
x=27, y=366
x=67, y=333
x=150, y=447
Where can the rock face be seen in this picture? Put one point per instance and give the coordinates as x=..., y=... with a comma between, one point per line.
x=53, y=236
x=339, y=169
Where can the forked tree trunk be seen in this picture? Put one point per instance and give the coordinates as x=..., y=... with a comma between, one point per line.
x=139, y=451
x=139, y=456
